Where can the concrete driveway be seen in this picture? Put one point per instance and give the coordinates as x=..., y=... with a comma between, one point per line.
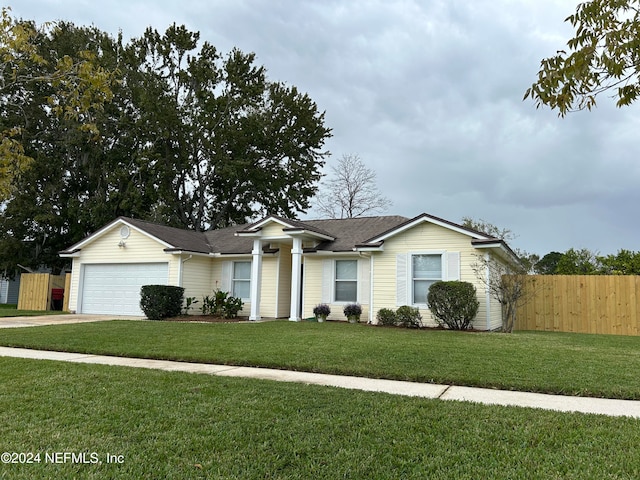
x=16, y=322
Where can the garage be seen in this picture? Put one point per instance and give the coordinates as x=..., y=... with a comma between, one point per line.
x=115, y=288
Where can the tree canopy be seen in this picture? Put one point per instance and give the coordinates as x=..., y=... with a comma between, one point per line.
x=604, y=55
x=191, y=137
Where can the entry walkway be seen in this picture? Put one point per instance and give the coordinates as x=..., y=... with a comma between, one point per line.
x=561, y=403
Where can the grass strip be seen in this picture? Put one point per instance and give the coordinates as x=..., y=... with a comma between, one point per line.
x=571, y=364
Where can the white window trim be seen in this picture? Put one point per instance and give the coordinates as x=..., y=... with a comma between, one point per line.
x=410, y=278
x=233, y=279
x=334, y=280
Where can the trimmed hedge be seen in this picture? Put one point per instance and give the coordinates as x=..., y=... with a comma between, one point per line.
x=161, y=301
x=453, y=304
x=387, y=317
x=409, y=317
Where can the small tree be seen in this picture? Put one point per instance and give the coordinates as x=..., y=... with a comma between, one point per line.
x=352, y=191
x=505, y=283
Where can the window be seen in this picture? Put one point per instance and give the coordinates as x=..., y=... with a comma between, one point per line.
x=425, y=270
x=346, y=281
x=241, y=280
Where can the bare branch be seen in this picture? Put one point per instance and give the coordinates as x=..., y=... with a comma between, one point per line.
x=351, y=192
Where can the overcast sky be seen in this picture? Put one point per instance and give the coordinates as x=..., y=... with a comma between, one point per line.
x=429, y=94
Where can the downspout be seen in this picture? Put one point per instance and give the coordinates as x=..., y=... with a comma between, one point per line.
x=180, y=269
x=487, y=292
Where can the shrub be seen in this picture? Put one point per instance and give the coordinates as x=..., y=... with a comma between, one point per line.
x=353, y=311
x=221, y=305
x=231, y=307
x=161, y=301
x=453, y=304
x=387, y=317
x=409, y=317
x=321, y=311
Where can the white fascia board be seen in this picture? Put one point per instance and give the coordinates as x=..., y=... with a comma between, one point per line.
x=70, y=255
x=309, y=233
x=502, y=251
x=187, y=252
x=264, y=221
x=369, y=249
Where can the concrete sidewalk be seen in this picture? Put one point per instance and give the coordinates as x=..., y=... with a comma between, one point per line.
x=603, y=406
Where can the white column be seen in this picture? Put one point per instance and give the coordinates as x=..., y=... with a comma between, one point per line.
x=296, y=280
x=256, y=280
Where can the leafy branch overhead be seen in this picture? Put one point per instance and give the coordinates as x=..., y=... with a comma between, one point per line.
x=604, y=55
x=76, y=87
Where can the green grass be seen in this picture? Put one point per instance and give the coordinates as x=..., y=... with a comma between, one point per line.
x=572, y=364
x=10, y=310
x=183, y=426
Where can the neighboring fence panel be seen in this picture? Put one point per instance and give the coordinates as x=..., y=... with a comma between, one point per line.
x=603, y=304
x=35, y=290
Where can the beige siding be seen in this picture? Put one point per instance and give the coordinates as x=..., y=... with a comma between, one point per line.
x=197, y=279
x=313, y=288
x=139, y=248
x=274, y=229
x=268, y=288
x=284, y=281
x=424, y=238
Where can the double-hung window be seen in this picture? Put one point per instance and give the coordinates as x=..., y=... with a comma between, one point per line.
x=241, y=280
x=346, y=281
x=425, y=271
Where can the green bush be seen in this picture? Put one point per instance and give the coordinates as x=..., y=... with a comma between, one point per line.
x=387, y=317
x=453, y=304
x=409, y=317
x=161, y=301
x=221, y=305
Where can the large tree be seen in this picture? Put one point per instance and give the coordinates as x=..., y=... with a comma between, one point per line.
x=190, y=138
x=351, y=191
x=226, y=143
x=604, y=55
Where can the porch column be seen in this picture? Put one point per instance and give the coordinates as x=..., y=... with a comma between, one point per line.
x=256, y=280
x=296, y=280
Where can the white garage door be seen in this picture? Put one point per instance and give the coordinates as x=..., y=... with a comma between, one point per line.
x=115, y=288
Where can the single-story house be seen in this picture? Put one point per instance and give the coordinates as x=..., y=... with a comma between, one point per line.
x=282, y=268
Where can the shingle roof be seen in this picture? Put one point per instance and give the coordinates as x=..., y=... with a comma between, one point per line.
x=176, y=237
x=348, y=233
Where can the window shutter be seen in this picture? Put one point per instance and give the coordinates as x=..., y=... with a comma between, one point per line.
x=225, y=281
x=401, y=280
x=453, y=265
x=327, y=280
x=364, y=280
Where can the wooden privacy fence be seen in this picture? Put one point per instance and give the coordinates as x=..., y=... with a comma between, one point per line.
x=36, y=290
x=603, y=304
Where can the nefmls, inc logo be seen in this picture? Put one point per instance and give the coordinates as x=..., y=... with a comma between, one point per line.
x=72, y=457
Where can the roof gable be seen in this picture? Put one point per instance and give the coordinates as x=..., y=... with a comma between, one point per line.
x=168, y=237
x=422, y=218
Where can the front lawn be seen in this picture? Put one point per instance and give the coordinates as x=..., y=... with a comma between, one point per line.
x=154, y=424
x=572, y=364
x=10, y=310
